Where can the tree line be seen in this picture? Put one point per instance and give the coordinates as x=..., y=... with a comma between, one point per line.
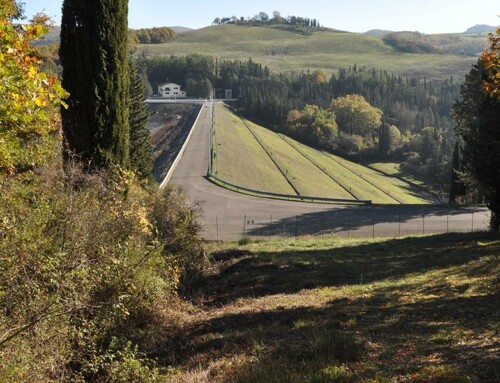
x=262, y=18
x=151, y=35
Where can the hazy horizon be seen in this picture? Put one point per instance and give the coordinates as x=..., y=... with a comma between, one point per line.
x=426, y=16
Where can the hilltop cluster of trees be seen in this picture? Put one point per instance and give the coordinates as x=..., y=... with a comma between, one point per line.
x=262, y=18
x=151, y=35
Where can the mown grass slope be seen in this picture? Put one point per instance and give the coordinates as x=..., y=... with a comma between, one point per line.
x=257, y=158
x=241, y=159
x=390, y=310
x=285, y=51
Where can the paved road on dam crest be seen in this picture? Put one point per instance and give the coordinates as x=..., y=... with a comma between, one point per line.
x=231, y=215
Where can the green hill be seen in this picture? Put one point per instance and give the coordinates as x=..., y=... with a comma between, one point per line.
x=254, y=157
x=287, y=50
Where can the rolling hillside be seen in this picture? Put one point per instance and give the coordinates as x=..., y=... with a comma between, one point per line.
x=254, y=157
x=285, y=51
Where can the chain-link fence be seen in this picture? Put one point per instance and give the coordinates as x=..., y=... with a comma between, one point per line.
x=345, y=224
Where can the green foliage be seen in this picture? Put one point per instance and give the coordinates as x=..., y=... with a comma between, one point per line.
x=313, y=125
x=95, y=72
x=49, y=54
x=151, y=35
x=457, y=187
x=87, y=261
x=193, y=70
x=390, y=139
x=478, y=116
x=411, y=42
x=491, y=62
x=141, y=151
x=356, y=116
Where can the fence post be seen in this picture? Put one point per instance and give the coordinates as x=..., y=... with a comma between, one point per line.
x=399, y=225
x=323, y=225
x=217, y=227
x=296, y=227
x=373, y=226
x=348, y=226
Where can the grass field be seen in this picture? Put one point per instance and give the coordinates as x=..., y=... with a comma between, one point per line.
x=307, y=179
x=257, y=158
x=286, y=51
x=393, y=168
x=364, y=183
x=420, y=309
x=241, y=159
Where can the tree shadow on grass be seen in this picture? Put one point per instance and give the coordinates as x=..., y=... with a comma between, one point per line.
x=296, y=344
x=390, y=329
x=290, y=271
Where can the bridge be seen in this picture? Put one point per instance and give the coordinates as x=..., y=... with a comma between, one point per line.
x=161, y=100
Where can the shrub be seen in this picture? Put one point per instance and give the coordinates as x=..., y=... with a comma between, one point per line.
x=86, y=263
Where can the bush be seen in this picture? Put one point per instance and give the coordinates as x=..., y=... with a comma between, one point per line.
x=86, y=263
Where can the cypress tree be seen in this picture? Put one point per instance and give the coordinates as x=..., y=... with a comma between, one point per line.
x=141, y=151
x=93, y=54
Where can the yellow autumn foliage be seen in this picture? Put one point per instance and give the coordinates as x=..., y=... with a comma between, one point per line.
x=29, y=98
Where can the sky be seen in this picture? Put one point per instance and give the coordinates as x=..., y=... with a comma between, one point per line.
x=426, y=16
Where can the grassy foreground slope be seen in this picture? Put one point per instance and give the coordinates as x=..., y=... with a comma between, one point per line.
x=334, y=310
x=257, y=158
x=285, y=51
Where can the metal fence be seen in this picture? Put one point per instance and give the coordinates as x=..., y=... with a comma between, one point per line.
x=345, y=224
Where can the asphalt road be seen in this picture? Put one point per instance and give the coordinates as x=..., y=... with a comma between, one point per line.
x=230, y=215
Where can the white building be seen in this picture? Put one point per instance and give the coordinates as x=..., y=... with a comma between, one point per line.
x=170, y=90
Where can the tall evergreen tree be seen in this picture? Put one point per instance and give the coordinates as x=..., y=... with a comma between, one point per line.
x=141, y=151
x=478, y=122
x=95, y=72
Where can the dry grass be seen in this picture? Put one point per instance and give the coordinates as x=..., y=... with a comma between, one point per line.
x=335, y=310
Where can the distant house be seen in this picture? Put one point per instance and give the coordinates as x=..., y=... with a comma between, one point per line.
x=171, y=90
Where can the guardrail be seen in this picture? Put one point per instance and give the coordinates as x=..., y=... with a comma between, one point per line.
x=303, y=198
